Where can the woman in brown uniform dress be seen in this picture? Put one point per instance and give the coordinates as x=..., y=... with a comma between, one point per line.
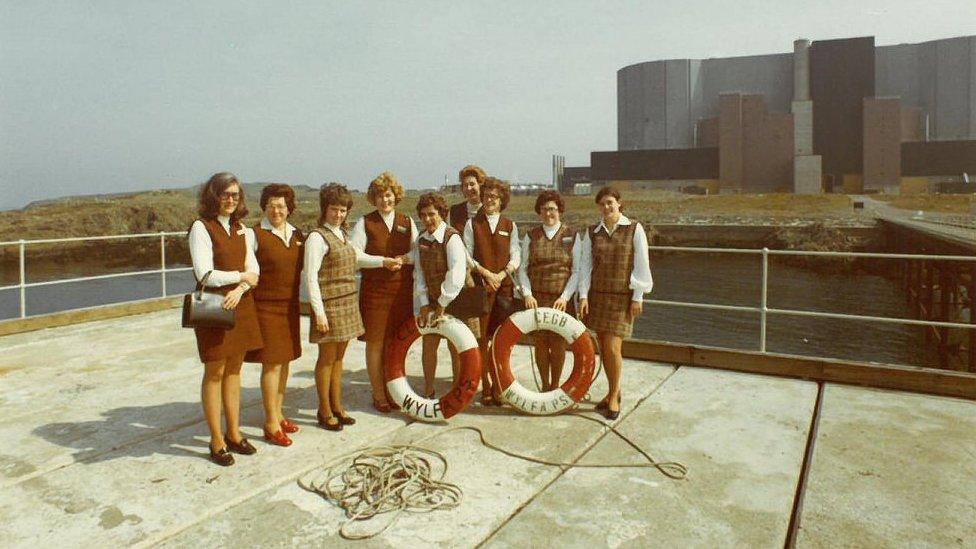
x=615, y=273
x=222, y=246
x=279, y=254
x=330, y=271
x=385, y=295
x=492, y=243
x=549, y=276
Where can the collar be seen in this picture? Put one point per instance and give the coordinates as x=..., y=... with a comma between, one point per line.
x=266, y=225
x=438, y=234
x=387, y=217
x=549, y=231
x=624, y=220
x=335, y=230
x=472, y=208
x=224, y=220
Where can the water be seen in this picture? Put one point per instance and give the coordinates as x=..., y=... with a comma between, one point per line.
x=707, y=278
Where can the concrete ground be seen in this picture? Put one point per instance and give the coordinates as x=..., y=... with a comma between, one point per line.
x=105, y=445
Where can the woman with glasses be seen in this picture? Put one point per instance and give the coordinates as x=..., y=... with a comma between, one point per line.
x=549, y=276
x=493, y=248
x=221, y=246
x=615, y=273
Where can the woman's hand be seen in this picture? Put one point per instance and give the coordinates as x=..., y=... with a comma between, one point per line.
x=232, y=298
x=250, y=278
x=438, y=315
x=584, y=307
x=636, y=307
x=559, y=305
x=392, y=263
x=530, y=302
x=424, y=316
x=322, y=324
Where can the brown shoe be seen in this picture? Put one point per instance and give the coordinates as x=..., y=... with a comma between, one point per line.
x=381, y=407
x=330, y=423
x=221, y=457
x=243, y=447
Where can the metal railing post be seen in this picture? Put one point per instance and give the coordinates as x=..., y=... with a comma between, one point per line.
x=762, y=301
x=23, y=279
x=162, y=261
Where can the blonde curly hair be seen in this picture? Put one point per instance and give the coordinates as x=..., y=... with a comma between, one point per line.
x=385, y=181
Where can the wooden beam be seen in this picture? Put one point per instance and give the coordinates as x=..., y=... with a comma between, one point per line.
x=882, y=376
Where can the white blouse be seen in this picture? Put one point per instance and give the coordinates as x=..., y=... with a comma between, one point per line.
x=201, y=253
x=456, y=270
x=514, y=252
x=572, y=284
x=641, y=281
x=316, y=248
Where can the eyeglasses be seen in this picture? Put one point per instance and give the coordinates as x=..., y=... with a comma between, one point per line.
x=549, y=209
x=230, y=196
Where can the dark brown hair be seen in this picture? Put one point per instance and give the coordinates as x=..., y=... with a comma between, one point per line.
x=549, y=196
x=469, y=170
x=608, y=190
x=493, y=183
x=278, y=190
x=209, y=202
x=334, y=194
x=385, y=181
x=427, y=200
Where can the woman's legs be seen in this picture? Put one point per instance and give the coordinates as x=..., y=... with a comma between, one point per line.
x=335, y=385
x=230, y=390
x=282, y=386
x=213, y=375
x=323, y=377
x=557, y=358
x=541, y=343
x=374, y=367
x=271, y=396
x=610, y=351
x=429, y=360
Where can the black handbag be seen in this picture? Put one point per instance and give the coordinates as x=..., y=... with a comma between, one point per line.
x=204, y=308
x=472, y=302
x=507, y=305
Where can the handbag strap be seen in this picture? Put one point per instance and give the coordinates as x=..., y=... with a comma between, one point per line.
x=516, y=287
x=201, y=284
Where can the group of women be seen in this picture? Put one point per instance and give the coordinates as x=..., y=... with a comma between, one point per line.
x=259, y=271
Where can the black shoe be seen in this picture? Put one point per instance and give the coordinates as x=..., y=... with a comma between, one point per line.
x=612, y=414
x=330, y=423
x=346, y=420
x=221, y=457
x=243, y=447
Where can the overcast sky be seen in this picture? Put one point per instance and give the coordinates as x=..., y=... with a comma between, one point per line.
x=111, y=96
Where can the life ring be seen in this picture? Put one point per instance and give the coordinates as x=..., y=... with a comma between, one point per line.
x=584, y=362
x=465, y=384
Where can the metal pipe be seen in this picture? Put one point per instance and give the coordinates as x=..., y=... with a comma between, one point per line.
x=162, y=261
x=23, y=279
x=762, y=303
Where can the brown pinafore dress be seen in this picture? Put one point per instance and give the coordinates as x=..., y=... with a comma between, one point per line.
x=491, y=250
x=550, y=264
x=610, y=293
x=276, y=297
x=386, y=297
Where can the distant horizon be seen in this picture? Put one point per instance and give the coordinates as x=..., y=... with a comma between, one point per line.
x=121, y=97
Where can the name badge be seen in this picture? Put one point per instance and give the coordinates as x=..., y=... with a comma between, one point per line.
x=401, y=229
x=423, y=243
x=241, y=231
x=503, y=233
x=298, y=243
x=567, y=240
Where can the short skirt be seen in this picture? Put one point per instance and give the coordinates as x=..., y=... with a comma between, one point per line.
x=280, y=330
x=608, y=313
x=217, y=344
x=546, y=300
x=384, y=309
x=345, y=322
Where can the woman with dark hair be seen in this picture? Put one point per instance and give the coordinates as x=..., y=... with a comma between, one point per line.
x=493, y=247
x=385, y=295
x=615, y=273
x=221, y=246
x=279, y=255
x=470, y=179
x=330, y=269
x=549, y=276
x=443, y=264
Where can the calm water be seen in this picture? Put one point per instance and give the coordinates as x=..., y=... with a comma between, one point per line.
x=706, y=278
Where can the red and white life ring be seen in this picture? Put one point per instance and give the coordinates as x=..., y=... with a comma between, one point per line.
x=584, y=361
x=465, y=385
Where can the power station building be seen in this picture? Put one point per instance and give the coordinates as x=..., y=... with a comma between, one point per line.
x=832, y=115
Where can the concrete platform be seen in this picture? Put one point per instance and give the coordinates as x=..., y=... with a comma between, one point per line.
x=106, y=446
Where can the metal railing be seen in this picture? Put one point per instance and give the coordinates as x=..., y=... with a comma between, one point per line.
x=764, y=310
x=23, y=285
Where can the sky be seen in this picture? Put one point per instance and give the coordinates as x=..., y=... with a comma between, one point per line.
x=113, y=96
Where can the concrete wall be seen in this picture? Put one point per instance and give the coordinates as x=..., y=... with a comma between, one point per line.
x=911, y=124
x=882, y=143
x=802, y=127
x=806, y=175
x=938, y=158
x=654, y=164
x=708, y=132
x=755, y=146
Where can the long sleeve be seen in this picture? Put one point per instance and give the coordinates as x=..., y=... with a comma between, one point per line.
x=358, y=234
x=315, y=249
x=514, y=251
x=456, y=270
x=573, y=283
x=469, y=244
x=523, y=272
x=251, y=264
x=367, y=261
x=201, y=255
x=419, y=284
x=585, y=264
x=641, y=281
x=413, y=242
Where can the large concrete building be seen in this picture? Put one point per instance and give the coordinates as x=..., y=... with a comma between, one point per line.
x=832, y=114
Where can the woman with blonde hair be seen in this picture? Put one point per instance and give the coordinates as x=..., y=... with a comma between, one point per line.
x=222, y=250
x=331, y=261
x=385, y=294
x=278, y=247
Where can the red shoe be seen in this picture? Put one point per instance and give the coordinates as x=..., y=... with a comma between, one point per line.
x=279, y=438
x=288, y=426
x=382, y=407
